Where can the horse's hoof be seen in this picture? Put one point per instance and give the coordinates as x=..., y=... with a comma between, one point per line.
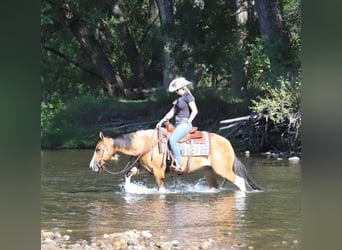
x=131, y=172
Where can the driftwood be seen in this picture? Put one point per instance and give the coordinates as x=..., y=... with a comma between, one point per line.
x=243, y=118
x=229, y=126
x=259, y=133
x=236, y=120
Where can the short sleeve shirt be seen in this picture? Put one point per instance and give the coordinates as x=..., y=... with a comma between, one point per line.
x=182, y=105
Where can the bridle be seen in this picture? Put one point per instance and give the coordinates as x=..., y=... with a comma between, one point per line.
x=129, y=165
x=103, y=168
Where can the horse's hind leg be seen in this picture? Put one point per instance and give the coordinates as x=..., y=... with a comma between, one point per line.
x=210, y=177
x=228, y=174
x=222, y=159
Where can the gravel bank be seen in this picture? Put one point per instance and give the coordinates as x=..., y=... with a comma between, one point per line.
x=133, y=239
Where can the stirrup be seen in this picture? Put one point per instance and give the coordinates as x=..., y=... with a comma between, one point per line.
x=176, y=168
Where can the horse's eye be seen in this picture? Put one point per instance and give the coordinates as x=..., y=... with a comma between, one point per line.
x=97, y=150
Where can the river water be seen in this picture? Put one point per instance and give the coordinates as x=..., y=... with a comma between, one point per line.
x=85, y=205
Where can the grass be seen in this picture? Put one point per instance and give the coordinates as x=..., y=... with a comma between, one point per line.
x=76, y=123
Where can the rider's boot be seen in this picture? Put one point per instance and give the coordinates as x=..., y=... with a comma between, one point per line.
x=176, y=167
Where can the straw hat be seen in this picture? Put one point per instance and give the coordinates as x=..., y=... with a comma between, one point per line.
x=178, y=83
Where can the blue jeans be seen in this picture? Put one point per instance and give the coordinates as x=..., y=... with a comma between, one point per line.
x=182, y=129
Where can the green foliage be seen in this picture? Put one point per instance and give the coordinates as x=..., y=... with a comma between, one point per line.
x=257, y=63
x=279, y=104
x=203, y=36
x=292, y=15
x=75, y=123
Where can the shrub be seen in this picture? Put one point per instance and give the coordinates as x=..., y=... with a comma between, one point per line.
x=280, y=104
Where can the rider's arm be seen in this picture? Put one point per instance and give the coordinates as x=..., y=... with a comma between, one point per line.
x=194, y=111
x=168, y=116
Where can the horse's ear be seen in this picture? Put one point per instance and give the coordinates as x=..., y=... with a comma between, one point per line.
x=101, y=136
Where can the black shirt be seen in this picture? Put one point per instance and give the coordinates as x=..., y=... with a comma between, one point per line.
x=182, y=105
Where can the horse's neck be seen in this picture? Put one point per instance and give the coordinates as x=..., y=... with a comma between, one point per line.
x=141, y=141
x=124, y=151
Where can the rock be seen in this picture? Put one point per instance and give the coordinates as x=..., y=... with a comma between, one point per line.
x=295, y=241
x=146, y=234
x=49, y=241
x=117, y=244
x=132, y=242
x=294, y=159
x=267, y=154
x=208, y=244
x=175, y=243
x=138, y=248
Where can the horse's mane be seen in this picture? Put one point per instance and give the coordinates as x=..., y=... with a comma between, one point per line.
x=123, y=141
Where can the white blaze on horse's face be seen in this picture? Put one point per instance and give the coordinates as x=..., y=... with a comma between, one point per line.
x=101, y=156
x=93, y=166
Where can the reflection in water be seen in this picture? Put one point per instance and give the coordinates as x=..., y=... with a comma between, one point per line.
x=73, y=198
x=189, y=217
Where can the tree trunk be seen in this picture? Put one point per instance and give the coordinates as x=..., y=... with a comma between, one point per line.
x=91, y=46
x=275, y=37
x=129, y=47
x=166, y=18
x=237, y=67
x=154, y=72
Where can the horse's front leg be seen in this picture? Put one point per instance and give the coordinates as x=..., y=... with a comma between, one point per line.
x=130, y=173
x=159, y=175
x=156, y=165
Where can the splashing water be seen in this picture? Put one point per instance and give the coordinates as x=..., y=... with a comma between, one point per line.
x=177, y=186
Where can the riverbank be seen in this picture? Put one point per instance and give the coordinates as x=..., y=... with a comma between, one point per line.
x=132, y=239
x=76, y=124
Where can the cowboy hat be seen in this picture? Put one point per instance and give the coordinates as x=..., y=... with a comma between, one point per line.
x=178, y=83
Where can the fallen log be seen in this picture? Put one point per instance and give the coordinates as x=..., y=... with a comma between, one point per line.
x=260, y=133
x=229, y=126
x=243, y=118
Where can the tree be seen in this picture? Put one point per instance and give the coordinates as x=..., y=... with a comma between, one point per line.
x=276, y=38
x=239, y=84
x=166, y=19
x=113, y=45
x=128, y=42
x=88, y=42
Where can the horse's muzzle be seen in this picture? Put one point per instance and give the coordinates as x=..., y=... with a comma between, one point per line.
x=96, y=167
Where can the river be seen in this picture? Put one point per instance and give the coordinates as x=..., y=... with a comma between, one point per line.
x=85, y=205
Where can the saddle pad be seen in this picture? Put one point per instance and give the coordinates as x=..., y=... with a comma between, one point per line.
x=195, y=149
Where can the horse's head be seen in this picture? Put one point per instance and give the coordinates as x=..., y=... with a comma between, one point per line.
x=103, y=152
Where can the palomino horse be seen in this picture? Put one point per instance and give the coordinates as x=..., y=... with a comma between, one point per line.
x=144, y=145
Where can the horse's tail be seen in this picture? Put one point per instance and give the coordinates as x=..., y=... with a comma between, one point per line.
x=241, y=171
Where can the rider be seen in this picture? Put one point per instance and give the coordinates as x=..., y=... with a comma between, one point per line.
x=184, y=109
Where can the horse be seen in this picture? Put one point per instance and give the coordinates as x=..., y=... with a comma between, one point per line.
x=143, y=144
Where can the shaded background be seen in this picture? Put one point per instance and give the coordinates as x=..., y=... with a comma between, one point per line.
x=20, y=127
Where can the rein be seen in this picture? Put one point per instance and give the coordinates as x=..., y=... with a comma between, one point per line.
x=127, y=167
